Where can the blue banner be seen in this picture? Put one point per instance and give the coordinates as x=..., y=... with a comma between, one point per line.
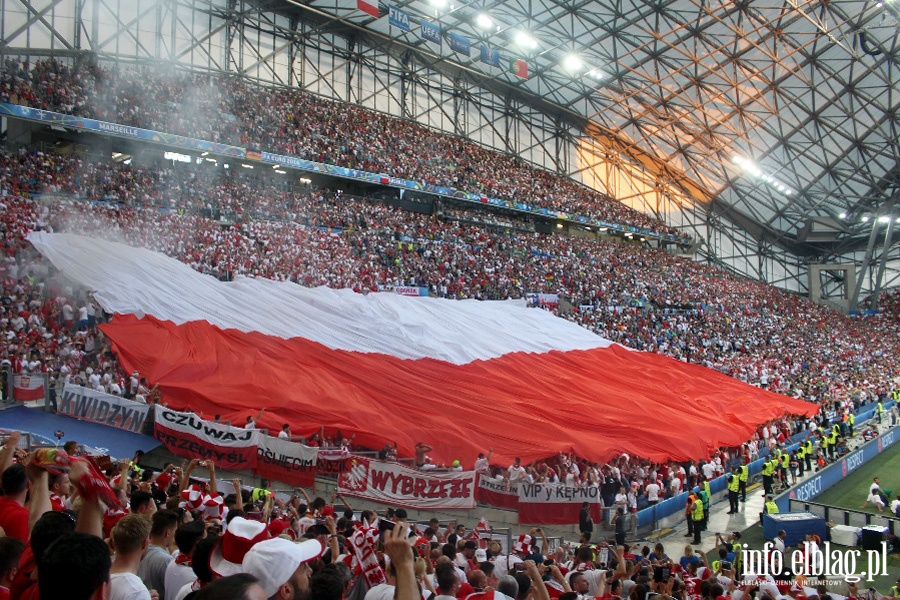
x=398, y=18
x=52, y=118
x=460, y=44
x=490, y=56
x=431, y=33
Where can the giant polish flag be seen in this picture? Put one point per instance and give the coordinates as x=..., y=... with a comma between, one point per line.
x=461, y=375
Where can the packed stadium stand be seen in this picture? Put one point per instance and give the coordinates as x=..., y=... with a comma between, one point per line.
x=275, y=280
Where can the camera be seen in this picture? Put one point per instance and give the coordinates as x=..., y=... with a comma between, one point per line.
x=385, y=525
x=661, y=574
x=60, y=434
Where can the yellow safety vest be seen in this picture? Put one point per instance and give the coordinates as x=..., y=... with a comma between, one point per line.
x=734, y=485
x=745, y=473
x=785, y=461
x=697, y=514
x=851, y=419
x=771, y=508
x=707, y=490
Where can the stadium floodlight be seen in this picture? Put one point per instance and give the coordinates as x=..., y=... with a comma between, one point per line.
x=865, y=218
x=526, y=40
x=884, y=219
x=572, y=62
x=484, y=21
x=843, y=215
x=439, y=3
x=597, y=74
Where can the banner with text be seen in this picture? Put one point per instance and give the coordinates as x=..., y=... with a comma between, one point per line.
x=556, y=504
x=393, y=483
x=99, y=407
x=286, y=461
x=334, y=461
x=497, y=493
x=186, y=434
x=28, y=388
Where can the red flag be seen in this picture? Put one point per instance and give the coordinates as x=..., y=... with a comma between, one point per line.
x=368, y=7
x=519, y=68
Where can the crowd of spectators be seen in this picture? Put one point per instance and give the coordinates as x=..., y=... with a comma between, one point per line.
x=642, y=298
x=71, y=530
x=288, y=121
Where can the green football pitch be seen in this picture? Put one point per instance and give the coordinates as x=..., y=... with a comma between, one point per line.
x=853, y=490
x=851, y=493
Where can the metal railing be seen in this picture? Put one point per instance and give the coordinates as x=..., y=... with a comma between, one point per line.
x=847, y=516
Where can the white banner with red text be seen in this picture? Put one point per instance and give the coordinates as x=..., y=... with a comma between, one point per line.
x=556, y=504
x=393, y=483
x=186, y=434
x=99, y=407
x=283, y=460
x=497, y=493
x=28, y=388
x=334, y=461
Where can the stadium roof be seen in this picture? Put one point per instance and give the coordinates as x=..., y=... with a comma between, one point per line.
x=801, y=94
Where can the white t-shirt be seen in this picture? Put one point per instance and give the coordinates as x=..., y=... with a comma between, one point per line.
x=894, y=506
x=593, y=578
x=382, y=591
x=874, y=488
x=504, y=563
x=177, y=576
x=187, y=589
x=652, y=492
x=127, y=586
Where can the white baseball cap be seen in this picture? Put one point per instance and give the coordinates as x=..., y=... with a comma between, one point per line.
x=274, y=561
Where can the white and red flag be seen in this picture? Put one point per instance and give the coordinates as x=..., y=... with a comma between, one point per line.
x=387, y=367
